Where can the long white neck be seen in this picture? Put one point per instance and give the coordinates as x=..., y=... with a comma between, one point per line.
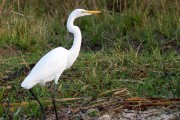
x=74, y=50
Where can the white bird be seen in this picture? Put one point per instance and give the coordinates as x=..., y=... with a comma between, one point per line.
x=51, y=66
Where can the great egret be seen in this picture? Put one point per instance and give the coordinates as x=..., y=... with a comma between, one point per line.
x=51, y=66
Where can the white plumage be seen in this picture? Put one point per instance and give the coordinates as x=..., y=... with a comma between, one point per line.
x=48, y=68
x=51, y=66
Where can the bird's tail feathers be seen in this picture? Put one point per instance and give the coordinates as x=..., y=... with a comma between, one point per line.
x=28, y=83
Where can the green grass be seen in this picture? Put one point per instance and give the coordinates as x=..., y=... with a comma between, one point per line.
x=137, y=49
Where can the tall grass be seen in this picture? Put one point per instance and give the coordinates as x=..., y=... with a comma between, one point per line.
x=31, y=23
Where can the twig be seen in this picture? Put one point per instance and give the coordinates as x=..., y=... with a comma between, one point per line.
x=22, y=104
x=131, y=81
x=138, y=48
x=110, y=91
x=19, y=14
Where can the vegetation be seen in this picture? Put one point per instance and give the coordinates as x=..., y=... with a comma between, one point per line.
x=133, y=44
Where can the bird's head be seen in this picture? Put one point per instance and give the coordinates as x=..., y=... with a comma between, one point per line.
x=81, y=12
x=75, y=14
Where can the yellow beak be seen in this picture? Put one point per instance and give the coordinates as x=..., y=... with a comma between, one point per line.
x=93, y=12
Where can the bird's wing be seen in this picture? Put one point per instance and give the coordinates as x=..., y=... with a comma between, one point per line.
x=46, y=69
x=52, y=63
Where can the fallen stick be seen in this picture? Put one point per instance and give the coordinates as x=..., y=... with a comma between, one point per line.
x=22, y=104
x=141, y=103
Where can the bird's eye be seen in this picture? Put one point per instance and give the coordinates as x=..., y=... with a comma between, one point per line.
x=83, y=11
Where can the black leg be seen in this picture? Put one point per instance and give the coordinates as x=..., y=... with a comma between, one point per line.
x=53, y=100
x=42, y=108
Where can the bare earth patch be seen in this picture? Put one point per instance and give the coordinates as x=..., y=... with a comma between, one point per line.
x=8, y=51
x=122, y=109
x=125, y=114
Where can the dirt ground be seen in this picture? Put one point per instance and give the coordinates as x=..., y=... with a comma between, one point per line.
x=125, y=114
x=122, y=109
